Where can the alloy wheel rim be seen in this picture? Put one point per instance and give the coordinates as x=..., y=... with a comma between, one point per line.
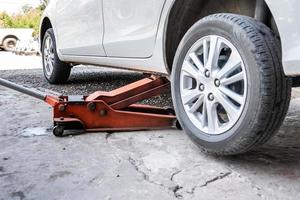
x=213, y=85
x=48, y=56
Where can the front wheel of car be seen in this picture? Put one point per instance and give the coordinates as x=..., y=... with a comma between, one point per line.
x=228, y=86
x=55, y=71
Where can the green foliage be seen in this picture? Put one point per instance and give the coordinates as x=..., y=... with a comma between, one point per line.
x=30, y=18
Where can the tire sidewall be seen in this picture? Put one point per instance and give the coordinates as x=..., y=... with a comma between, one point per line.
x=244, y=125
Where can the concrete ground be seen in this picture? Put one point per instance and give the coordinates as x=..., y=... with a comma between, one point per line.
x=162, y=164
x=11, y=61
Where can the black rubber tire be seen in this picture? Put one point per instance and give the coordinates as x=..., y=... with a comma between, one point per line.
x=61, y=70
x=269, y=90
x=6, y=43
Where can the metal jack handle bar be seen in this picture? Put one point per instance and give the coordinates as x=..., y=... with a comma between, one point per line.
x=29, y=91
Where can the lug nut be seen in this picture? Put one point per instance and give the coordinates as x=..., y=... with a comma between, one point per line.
x=201, y=87
x=211, y=97
x=207, y=74
x=217, y=83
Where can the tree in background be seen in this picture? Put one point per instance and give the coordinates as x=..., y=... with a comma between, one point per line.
x=29, y=18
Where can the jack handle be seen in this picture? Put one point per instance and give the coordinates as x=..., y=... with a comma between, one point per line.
x=31, y=92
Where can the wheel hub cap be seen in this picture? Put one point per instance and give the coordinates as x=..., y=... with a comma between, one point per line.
x=213, y=85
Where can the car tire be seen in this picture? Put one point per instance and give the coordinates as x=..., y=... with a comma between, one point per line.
x=9, y=43
x=262, y=93
x=55, y=70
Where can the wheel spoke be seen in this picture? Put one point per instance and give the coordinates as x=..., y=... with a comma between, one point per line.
x=51, y=50
x=52, y=61
x=48, y=44
x=189, y=96
x=214, y=52
x=212, y=117
x=209, y=118
x=47, y=67
x=204, y=114
x=229, y=107
x=205, y=51
x=197, y=104
x=52, y=56
x=197, y=62
x=236, y=97
x=233, y=79
x=50, y=67
x=232, y=64
x=190, y=69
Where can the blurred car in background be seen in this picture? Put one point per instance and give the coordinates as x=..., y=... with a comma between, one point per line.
x=27, y=47
x=10, y=36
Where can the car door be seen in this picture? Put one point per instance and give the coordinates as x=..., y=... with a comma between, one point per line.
x=131, y=27
x=79, y=27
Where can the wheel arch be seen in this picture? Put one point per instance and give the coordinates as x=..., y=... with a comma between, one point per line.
x=9, y=36
x=184, y=13
x=45, y=25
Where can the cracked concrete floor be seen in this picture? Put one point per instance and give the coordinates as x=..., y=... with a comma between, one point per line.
x=162, y=164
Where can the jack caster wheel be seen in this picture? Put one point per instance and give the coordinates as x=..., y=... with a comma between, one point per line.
x=58, y=131
x=178, y=125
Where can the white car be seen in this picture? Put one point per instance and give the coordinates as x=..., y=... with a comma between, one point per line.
x=10, y=36
x=229, y=62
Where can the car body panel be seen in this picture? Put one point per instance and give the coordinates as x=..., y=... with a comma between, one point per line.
x=79, y=27
x=129, y=31
x=285, y=14
x=287, y=18
x=155, y=64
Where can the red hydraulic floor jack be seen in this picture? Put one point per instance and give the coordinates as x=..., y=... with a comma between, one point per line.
x=107, y=111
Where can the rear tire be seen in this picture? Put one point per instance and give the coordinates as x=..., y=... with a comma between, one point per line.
x=267, y=89
x=55, y=70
